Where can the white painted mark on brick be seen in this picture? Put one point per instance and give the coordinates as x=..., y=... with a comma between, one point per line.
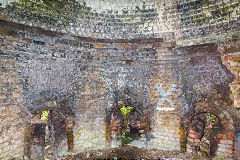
x=165, y=97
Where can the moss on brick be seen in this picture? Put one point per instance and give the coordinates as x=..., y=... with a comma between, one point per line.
x=48, y=11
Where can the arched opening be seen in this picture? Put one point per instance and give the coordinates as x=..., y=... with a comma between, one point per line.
x=47, y=135
x=212, y=119
x=202, y=131
x=210, y=132
x=128, y=129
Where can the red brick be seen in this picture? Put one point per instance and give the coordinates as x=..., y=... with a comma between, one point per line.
x=16, y=95
x=192, y=135
x=99, y=45
x=2, y=96
x=229, y=151
x=196, y=140
x=114, y=128
x=230, y=136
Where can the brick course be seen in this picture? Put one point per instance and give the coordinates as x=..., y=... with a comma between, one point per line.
x=81, y=65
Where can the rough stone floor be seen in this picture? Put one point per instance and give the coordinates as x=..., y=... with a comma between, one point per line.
x=133, y=153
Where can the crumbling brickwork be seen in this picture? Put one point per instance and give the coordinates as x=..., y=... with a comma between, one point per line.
x=83, y=62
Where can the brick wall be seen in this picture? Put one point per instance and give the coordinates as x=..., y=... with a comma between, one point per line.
x=88, y=76
x=11, y=102
x=192, y=140
x=85, y=77
x=230, y=57
x=189, y=22
x=164, y=95
x=208, y=96
x=224, y=144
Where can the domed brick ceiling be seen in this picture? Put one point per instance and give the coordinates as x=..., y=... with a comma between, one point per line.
x=183, y=21
x=96, y=19
x=83, y=60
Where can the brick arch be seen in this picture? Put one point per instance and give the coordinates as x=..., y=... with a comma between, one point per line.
x=139, y=119
x=63, y=103
x=224, y=116
x=60, y=133
x=60, y=126
x=221, y=135
x=139, y=123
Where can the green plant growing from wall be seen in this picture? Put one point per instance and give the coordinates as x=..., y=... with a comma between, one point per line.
x=47, y=144
x=126, y=138
x=211, y=117
x=44, y=115
x=125, y=110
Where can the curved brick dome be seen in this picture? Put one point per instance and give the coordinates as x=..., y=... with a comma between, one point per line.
x=184, y=21
x=95, y=19
x=164, y=73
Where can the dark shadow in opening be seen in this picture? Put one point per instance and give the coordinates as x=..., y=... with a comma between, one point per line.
x=49, y=137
